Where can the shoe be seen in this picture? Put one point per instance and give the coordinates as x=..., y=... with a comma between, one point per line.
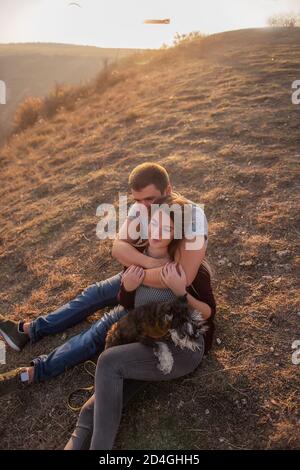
x=11, y=381
x=9, y=330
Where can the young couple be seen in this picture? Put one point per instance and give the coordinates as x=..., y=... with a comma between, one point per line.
x=157, y=267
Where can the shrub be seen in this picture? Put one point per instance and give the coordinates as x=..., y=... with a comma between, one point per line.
x=27, y=113
x=284, y=20
x=33, y=109
x=108, y=78
x=185, y=38
x=59, y=97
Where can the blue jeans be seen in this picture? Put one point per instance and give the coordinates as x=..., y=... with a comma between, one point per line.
x=88, y=343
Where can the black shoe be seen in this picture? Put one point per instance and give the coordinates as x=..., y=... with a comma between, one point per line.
x=9, y=330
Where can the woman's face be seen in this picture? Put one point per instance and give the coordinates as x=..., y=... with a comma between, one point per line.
x=160, y=229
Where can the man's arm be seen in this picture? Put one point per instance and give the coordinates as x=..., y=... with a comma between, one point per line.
x=190, y=259
x=127, y=254
x=124, y=252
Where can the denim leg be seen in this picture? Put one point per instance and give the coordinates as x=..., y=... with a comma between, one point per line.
x=77, y=349
x=94, y=297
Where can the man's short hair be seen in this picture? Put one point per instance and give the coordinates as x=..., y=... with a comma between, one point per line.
x=149, y=173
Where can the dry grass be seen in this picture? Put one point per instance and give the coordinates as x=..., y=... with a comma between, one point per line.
x=220, y=118
x=34, y=69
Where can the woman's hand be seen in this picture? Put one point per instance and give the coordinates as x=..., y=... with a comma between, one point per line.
x=173, y=276
x=133, y=277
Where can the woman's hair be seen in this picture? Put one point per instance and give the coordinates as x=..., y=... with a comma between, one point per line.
x=175, y=205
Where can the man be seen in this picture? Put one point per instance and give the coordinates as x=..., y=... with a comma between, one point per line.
x=147, y=182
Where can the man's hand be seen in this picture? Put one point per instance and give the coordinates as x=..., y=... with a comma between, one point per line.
x=133, y=277
x=173, y=276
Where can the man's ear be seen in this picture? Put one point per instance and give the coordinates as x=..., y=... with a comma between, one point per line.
x=169, y=189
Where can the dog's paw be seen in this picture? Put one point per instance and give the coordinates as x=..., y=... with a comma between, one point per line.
x=199, y=324
x=165, y=358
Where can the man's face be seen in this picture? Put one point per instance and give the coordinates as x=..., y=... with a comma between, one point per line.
x=147, y=195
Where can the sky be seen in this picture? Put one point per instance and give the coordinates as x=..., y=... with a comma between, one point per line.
x=119, y=23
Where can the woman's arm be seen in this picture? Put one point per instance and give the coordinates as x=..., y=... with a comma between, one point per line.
x=132, y=278
x=202, y=307
x=175, y=279
x=126, y=298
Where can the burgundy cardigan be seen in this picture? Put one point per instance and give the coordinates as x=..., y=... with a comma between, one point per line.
x=200, y=289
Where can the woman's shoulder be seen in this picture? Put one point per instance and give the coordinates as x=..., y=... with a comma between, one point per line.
x=202, y=281
x=203, y=272
x=201, y=288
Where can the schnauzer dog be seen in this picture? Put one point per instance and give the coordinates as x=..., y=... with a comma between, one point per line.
x=154, y=323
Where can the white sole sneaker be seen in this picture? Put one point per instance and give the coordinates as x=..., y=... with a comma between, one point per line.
x=9, y=341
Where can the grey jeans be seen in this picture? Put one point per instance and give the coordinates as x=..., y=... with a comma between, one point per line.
x=100, y=417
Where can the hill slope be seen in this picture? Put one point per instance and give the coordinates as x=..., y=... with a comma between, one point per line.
x=218, y=114
x=34, y=68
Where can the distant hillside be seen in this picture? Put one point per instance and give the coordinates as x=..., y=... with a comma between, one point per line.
x=33, y=69
x=217, y=113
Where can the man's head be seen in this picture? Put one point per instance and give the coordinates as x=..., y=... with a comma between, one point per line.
x=149, y=181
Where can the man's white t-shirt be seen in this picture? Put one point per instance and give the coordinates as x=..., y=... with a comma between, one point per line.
x=195, y=225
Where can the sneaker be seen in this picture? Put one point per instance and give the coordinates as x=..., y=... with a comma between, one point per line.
x=9, y=330
x=11, y=381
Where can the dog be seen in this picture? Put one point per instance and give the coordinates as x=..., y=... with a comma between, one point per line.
x=152, y=324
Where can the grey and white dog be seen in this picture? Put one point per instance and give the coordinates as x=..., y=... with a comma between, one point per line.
x=186, y=334
x=155, y=323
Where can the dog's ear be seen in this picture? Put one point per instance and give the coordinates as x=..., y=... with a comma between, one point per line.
x=179, y=308
x=180, y=313
x=164, y=308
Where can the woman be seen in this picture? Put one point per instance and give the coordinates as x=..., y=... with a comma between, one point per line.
x=99, y=419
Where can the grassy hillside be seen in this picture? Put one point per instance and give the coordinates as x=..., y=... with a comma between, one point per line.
x=217, y=113
x=34, y=68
